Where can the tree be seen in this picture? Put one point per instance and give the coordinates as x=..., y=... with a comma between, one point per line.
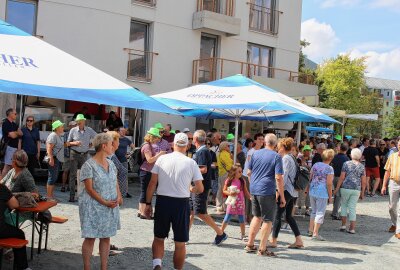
x=393, y=123
x=341, y=85
x=302, y=56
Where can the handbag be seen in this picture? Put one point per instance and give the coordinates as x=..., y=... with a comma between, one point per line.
x=25, y=199
x=3, y=147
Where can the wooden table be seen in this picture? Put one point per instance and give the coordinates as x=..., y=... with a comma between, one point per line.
x=42, y=206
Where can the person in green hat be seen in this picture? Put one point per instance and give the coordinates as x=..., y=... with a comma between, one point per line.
x=149, y=155
x=162, y=144
x=338, y=137
x=79, y=142
x=55, y=154
x=230, y=138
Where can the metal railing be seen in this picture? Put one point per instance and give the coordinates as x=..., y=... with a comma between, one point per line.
x=140, y=65
x=151, y=3
x=205, y=70
x=225, y=7
x=263, y=19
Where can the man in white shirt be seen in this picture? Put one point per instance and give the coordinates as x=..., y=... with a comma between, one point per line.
x=174, y=174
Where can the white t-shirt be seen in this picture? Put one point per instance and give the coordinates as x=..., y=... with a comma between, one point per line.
x=176, y=172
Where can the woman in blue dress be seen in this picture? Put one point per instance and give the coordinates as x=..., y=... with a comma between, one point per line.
x=99, y=201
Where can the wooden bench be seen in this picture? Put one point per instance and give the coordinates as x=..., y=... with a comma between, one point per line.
x=11, y=243
x=55, y=220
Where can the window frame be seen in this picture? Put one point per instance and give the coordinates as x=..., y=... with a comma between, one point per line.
x=35, y=3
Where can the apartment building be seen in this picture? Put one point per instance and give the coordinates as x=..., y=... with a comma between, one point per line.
x=389, y=91
x=164, y=45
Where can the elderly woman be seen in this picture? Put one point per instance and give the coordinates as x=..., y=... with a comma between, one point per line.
x=149, y=157
x=99, y=201
x=19, y=179
x=352, y=180
x=8, y=201
x=225, y=163
x=55, y=152
x=320, y=190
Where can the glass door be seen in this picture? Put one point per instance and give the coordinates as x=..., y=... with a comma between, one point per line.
x=208, y=61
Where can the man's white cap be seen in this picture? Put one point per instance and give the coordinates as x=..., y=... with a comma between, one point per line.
x=72, y=123
x=186, y=130
x=181, y=139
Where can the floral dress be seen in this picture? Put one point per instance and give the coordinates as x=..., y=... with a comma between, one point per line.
x=97, y=220
x=240, y=204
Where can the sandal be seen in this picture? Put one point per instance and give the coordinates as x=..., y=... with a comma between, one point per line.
x=250, y=249
x=112, y=253
x=295, y=246
x=310, y=234
x=113, y=247
x=266, y=253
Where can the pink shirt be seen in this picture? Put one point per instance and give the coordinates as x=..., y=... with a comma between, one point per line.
x=240, y=202
x=146, y=148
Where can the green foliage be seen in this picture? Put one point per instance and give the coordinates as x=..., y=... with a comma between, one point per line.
x=302, y=56
x=393, y=123
x=341, y=86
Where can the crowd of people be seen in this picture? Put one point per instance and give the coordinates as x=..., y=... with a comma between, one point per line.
x=190, y=171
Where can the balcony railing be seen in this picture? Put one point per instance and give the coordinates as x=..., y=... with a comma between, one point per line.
x=205, y=70
x=150, y=3
x=263, y=19
x=225, y=7
x=140, y=65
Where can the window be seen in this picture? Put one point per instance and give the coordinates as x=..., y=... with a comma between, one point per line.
x=140, y=58
x=261, y=57
x=22, y=14
x=263, y=16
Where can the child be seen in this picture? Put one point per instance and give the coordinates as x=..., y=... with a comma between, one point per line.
x=235, y=179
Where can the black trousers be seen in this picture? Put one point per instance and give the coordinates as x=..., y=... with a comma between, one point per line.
x=289, y=218
x=33, y=163
x=8, y=231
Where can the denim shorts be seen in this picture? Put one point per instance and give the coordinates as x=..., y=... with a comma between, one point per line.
x=53, y=172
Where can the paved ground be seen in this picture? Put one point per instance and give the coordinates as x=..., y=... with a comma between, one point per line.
x=371, y=248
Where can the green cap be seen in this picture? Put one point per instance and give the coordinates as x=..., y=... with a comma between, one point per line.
x=306, y=148
x=158, y=126
x=56, y=124
x=80, y=117
x=154, y=131
x=338, y=137
x=230, y=136
x=172, y=131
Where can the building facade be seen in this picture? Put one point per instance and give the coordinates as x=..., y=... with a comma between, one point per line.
x=165, y=45
x=389, y=91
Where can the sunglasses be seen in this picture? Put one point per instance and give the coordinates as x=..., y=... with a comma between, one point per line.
x=209, y=143
x=383, y=144
x=190, y=139
x=29, y=120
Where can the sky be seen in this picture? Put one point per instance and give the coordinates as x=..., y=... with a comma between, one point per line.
x=368, y=28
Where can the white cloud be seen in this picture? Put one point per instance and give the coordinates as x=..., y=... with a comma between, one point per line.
x=381, y=64
x=322, y=38
x=393, y=5
x=335, y=3
x=373, y=46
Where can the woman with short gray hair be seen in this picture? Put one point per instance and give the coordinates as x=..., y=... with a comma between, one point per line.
x=352, y=180
x=99, y=201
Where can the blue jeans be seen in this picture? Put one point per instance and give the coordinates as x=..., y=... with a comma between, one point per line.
x=53, y=172
x=229, y=216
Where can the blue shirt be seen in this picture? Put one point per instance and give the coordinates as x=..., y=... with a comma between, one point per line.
x=203, y=158
x=124, y=142
x=320, y=172
x=354, y=172
x=29, y=140
x=264, y=165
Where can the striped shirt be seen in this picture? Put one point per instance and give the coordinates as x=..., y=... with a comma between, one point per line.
x=393, y=166
x=84, y=136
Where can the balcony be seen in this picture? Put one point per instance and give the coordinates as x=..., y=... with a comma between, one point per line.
x=217, y=15
x=205, y=70
x=150, y=3
x=264, y=20
x=140, y=65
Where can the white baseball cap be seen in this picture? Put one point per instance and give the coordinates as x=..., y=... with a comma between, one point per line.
x=181, y=139
x=186, y=130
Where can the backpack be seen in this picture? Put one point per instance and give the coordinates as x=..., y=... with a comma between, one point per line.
x=302, y=177
x=136, y=160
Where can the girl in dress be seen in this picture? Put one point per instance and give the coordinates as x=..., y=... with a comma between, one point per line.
x=235, y=179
